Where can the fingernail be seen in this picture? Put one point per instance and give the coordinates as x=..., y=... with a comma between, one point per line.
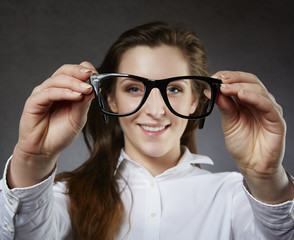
x=220, y=76
x=223, y=85
x=242, y=91
x=85, y=85
x=86, y=70
x=76, y=93
x=223, y=76
x=94, y=72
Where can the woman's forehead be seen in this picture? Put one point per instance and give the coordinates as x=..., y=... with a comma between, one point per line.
x=154, y=62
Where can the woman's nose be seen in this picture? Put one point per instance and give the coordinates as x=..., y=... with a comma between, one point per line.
x=155, y=105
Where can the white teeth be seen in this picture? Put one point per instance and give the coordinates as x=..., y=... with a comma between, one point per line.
x=152, y=129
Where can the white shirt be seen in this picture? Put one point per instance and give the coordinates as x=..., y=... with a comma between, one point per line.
x=184, y=202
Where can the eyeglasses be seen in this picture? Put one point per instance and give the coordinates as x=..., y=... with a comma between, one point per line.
x=189, y=97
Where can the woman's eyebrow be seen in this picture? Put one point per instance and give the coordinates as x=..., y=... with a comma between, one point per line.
x=123, y=79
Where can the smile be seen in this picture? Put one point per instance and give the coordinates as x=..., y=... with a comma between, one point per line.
x=153, y=129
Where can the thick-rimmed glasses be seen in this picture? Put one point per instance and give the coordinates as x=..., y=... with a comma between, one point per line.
x=189, y=97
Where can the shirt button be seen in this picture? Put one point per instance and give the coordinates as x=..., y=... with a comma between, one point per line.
x=8, y=229
x=152, y=184
x=10, y=203
x=153, y=215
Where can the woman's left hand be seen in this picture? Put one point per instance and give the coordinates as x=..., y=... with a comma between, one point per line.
x=254, y=129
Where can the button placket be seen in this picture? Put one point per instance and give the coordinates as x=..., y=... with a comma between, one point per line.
x=8, y=223
x=153, y=200
x=12, y=202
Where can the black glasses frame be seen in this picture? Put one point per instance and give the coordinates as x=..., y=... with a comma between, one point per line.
x=161, y=84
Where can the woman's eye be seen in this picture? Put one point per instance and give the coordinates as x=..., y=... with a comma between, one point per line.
x=174, y=90
x=133, y=89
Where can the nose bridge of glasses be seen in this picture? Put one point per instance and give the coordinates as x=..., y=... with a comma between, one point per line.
x=155, y=97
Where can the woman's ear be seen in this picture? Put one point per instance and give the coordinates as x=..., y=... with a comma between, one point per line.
x=194, y=105
x=112, y=103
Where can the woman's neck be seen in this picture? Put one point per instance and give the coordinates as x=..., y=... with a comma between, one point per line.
x=159, y=164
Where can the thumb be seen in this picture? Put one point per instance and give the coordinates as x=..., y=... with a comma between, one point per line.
x=228, y=110
x=80, y=110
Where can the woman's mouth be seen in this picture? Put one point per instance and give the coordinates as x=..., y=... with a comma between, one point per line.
x=154, y=129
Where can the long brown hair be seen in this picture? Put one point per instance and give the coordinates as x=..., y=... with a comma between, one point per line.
x=95, y=208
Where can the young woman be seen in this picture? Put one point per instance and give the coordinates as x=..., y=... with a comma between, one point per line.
x=143, y=180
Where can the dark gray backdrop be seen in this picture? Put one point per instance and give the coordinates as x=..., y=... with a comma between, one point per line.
x=36, y=37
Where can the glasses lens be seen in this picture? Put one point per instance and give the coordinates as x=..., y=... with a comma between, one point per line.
x=189, y=97
x=120, y=95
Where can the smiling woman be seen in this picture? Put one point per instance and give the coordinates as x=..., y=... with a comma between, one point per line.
x=142, y=179
x=139, y=142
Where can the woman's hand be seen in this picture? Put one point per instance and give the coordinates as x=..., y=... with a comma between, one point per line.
x=53, y=116
x=254, y=131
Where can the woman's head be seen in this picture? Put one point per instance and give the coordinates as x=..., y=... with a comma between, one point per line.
x=154, y=35
x=153, y=131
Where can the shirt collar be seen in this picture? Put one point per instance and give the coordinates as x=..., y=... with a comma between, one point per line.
x=193, y=158
x=187, y=158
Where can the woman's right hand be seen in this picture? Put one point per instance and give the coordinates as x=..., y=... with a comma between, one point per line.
x=53, y=116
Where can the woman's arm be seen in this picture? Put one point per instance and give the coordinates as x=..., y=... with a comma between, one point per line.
x=254, y=131
x=53, y=115
x=35, y=212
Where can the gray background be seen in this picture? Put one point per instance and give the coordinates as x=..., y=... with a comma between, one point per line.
x=36, y=37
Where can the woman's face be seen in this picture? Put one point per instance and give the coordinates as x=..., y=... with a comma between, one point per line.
x=153, y=131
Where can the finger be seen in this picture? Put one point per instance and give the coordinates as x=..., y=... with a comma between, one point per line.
x=250, y=97
x=228, y=108
x=228, y=77
x=64, y=81
x=80, y=110
x=42, y=101
x=232, y=89
x=90, y=66
x=263, y=104
x=279, y=108
x=236, y=83
x=255, y=92
x=77, y=71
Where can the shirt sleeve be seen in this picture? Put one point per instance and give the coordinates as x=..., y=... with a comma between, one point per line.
x=272, y=222
x=36, y=212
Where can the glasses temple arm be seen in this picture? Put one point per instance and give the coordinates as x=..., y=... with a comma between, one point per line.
x=201, y=123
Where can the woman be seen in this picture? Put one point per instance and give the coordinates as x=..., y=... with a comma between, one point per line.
x=143, y=179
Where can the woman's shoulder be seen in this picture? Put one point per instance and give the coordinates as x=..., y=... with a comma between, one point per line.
x=214, y=180
x=223, y=177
